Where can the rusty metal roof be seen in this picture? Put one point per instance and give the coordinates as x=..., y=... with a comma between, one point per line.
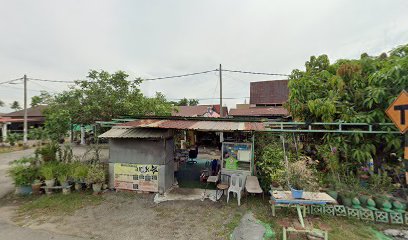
x=196, y=125
x=121, y=132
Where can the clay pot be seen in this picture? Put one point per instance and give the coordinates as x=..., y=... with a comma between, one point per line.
x=36, y=188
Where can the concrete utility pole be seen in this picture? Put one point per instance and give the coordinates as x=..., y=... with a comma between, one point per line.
x=25, y=110
x=221, y=110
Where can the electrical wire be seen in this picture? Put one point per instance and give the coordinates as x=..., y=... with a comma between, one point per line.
x=255, y=73
x=10, y=81
x=178, y=76
x=48, y=80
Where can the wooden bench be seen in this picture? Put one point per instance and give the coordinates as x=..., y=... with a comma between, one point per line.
x=252, y=186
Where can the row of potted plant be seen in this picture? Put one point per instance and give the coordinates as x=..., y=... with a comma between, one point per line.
x=29, y=175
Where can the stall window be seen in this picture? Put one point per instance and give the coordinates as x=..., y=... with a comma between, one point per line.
x=236, y=156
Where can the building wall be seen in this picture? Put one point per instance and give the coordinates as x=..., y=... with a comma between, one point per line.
x=143, y=151
x=139, y=151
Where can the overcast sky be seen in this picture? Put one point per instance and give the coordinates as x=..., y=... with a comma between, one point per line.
x=62, y=40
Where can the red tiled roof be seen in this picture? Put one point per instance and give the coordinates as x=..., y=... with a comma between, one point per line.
x=196, y=125
x=269, y=92
x=31, y=112
x=193, y=111
x=260, y=112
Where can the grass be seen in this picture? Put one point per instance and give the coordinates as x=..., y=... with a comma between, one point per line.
x=58, y=204
x=341, y=227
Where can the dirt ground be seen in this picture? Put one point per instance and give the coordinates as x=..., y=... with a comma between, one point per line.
x=135, y=216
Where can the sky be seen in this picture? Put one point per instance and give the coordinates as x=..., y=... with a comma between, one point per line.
x=63, y=40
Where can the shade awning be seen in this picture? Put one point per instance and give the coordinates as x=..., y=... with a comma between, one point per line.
x=136, y=133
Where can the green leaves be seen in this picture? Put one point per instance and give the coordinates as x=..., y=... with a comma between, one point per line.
x=351, y=91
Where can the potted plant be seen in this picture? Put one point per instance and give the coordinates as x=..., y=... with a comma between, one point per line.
x=36, y=186
x=96, y=176
x=80, y=173
x=23, y=175
x=47, y=171
x=301, y=178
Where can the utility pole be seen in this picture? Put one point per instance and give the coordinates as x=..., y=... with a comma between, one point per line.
x=221, y=110
x=25, y=110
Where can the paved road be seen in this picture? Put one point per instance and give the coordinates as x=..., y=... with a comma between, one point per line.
x=9, y=230
x=6, y=184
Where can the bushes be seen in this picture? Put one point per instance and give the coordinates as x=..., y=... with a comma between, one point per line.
x=23, y=174
x=96, y=174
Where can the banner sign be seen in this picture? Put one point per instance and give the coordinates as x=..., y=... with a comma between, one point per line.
x=144, y=177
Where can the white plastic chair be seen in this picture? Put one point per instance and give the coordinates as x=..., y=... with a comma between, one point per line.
x=237, y=185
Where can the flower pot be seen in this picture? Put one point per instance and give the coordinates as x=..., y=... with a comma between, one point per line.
x=346, y=201
x=66, y=191
x=97, y=187
x=363, y=199
x=296, y=193
x=78, y=186
x=36, y=188
x=379, y=201
x=24, y=190
x=50, y=183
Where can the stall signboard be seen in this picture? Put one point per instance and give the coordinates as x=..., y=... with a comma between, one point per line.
x=143, y=177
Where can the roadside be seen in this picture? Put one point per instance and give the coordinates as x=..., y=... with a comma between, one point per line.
x=6, y=184
x=8, y=228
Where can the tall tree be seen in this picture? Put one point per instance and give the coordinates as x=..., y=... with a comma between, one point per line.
x=43, y=98
x=15, y=106
x=351, y=91
x=104, y=96
x=186, y=102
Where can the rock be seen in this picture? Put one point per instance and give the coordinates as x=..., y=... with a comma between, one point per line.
x=248, y=229
x=393, y=232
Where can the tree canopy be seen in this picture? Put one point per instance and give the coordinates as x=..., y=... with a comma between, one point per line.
x=15, y=106
x=43, y=98
x=357, y=90
x=186, y=102
x=103, y=96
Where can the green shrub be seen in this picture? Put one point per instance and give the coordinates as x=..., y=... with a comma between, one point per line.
x=96, y=174
x=12, y=138
x=80, y=172
x=49, y=170
x=270, y=165
x=48, y=152
x=23, y=174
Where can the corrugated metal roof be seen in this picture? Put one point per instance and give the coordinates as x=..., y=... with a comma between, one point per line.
x=196, y=125
x=120, y=132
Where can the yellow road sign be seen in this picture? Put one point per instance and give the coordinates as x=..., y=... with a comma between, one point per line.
x=398, y=112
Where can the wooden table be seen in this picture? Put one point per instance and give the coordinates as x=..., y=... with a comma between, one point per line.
x=284, y=198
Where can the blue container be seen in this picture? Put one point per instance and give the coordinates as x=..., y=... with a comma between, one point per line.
x=296, y=193
x=24, y=190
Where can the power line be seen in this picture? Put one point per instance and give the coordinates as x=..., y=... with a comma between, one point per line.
x=48, y=80
x=177, y=76
x=256, y=73
x=10, y=81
